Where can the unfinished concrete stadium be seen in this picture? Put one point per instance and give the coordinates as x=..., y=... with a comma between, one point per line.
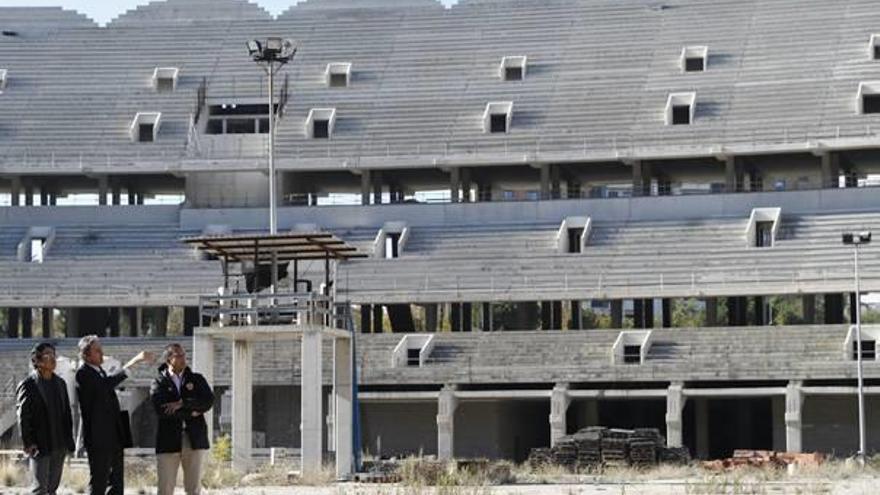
x=521, y=218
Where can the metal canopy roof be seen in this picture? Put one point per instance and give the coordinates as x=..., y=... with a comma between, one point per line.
x=259, y=248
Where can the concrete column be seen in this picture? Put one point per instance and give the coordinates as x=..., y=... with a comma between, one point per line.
x=47, y=323
x=830, y=170
x=808, y=302
x=15, y=191
x=72, y=323
x=103, y=187
x=674, y=407
x=833, y=309
x=794, y=401
x=638, y=313
x=454, y=184
x=545, y=181
x=575, y=323
x=638, y=179
x=242, y=404
x=44, y=195
x=27, y=323
x=28, y=193
x=12, y=319
x=342, y=388
x=711, y=312
x=311, y=402
x=116, y=194
x=760, y=311
x=378, y=319
x=203, y=362
x=649, y=313
x=139, y=321
x=366, y=318
x=455, y=317
x=430, y=317
x=446, y=405
x=486, y=314
x=730, y=174
x=559, y=402
x=161, y=321
x=555, y=189
x=365, y=187
x=465, y=185
x=701, y=410
x=377, y=187
x=667, y=312
x=467, y=317
x=617, y=313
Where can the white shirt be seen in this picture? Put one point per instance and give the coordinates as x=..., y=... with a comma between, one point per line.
x=177, y=379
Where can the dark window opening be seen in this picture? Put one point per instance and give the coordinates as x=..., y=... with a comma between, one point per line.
x=412, y=357
x=871, y=103
x=10, y=33
x=145, y=133
x=392, y=245
x=339, y=80
x=264, y=126
x=632, y=354
x=164, y=85
x=498, y=123
x=240, y=126
x=215, y=126
x=869, y=349
x=877, y=52
x=764, y=234
x=513, y=73
x=681, y=114
x=240, y=109
x=693, y=64
x=574, y=239
x=321, y=129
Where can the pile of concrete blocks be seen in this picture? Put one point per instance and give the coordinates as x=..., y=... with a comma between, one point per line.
x=764, y=459
x=598, y=446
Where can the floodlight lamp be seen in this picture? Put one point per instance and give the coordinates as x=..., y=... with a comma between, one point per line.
x=288, y=49
x=273, y=47
x=254, y=48
x=850, y=238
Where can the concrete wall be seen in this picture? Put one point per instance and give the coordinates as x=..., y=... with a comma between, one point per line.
x=830, y=424
x=501, y=429
x=620, y=209
x=399, y=428
x=227, y=190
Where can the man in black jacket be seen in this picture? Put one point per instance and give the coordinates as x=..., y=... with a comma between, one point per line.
x=44, y=420
x=181, y=398
x=102, y=424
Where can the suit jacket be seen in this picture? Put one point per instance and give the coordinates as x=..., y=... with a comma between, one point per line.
x=33, y=415
x=197, y=397
x=99, y=408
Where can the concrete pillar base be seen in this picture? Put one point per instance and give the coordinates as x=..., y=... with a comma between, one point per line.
x=793, y=421
x=559, y=402
x=311, y=403
x=242, y=404
x=446, y=405
x=674, y=407
x=342, y=401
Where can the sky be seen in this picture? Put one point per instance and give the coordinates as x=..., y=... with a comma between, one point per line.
x=102, y=11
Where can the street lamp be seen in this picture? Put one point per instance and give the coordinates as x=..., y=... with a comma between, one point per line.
x=272, y=55
x=856, y=239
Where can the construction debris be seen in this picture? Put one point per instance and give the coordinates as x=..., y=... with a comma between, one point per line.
x=599, y=446
x=764, y=459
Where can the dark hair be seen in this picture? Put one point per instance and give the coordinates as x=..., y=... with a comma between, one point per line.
x=170, y=350
x=38, y=350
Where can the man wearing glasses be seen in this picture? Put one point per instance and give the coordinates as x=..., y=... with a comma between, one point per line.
x=44, y=420
x=181, y=398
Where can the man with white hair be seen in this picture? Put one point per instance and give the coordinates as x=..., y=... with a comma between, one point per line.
x=102, y=423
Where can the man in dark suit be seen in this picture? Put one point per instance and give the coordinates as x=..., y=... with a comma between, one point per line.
x=181, y=398
x=102, y=424
x=44, y=420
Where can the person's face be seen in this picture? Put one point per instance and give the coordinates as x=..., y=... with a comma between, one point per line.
x=95, y=356
x=177, y=360
x=46, y=362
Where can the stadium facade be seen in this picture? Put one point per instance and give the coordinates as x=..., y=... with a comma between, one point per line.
x=577, y=212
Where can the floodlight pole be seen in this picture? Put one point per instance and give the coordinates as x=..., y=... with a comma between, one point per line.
x=273, y=207
x=860, y=379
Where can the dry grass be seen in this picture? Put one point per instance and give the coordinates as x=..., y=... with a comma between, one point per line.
x=12, y=473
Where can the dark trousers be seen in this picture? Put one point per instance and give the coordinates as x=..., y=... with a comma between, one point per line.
x=106, y=471
x=46, y=472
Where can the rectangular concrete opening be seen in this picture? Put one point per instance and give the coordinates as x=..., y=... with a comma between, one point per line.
x=714, y=428
x=501, y=429
x=387, y=431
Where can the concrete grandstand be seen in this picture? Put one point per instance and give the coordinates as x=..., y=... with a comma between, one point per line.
x=546, y=192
